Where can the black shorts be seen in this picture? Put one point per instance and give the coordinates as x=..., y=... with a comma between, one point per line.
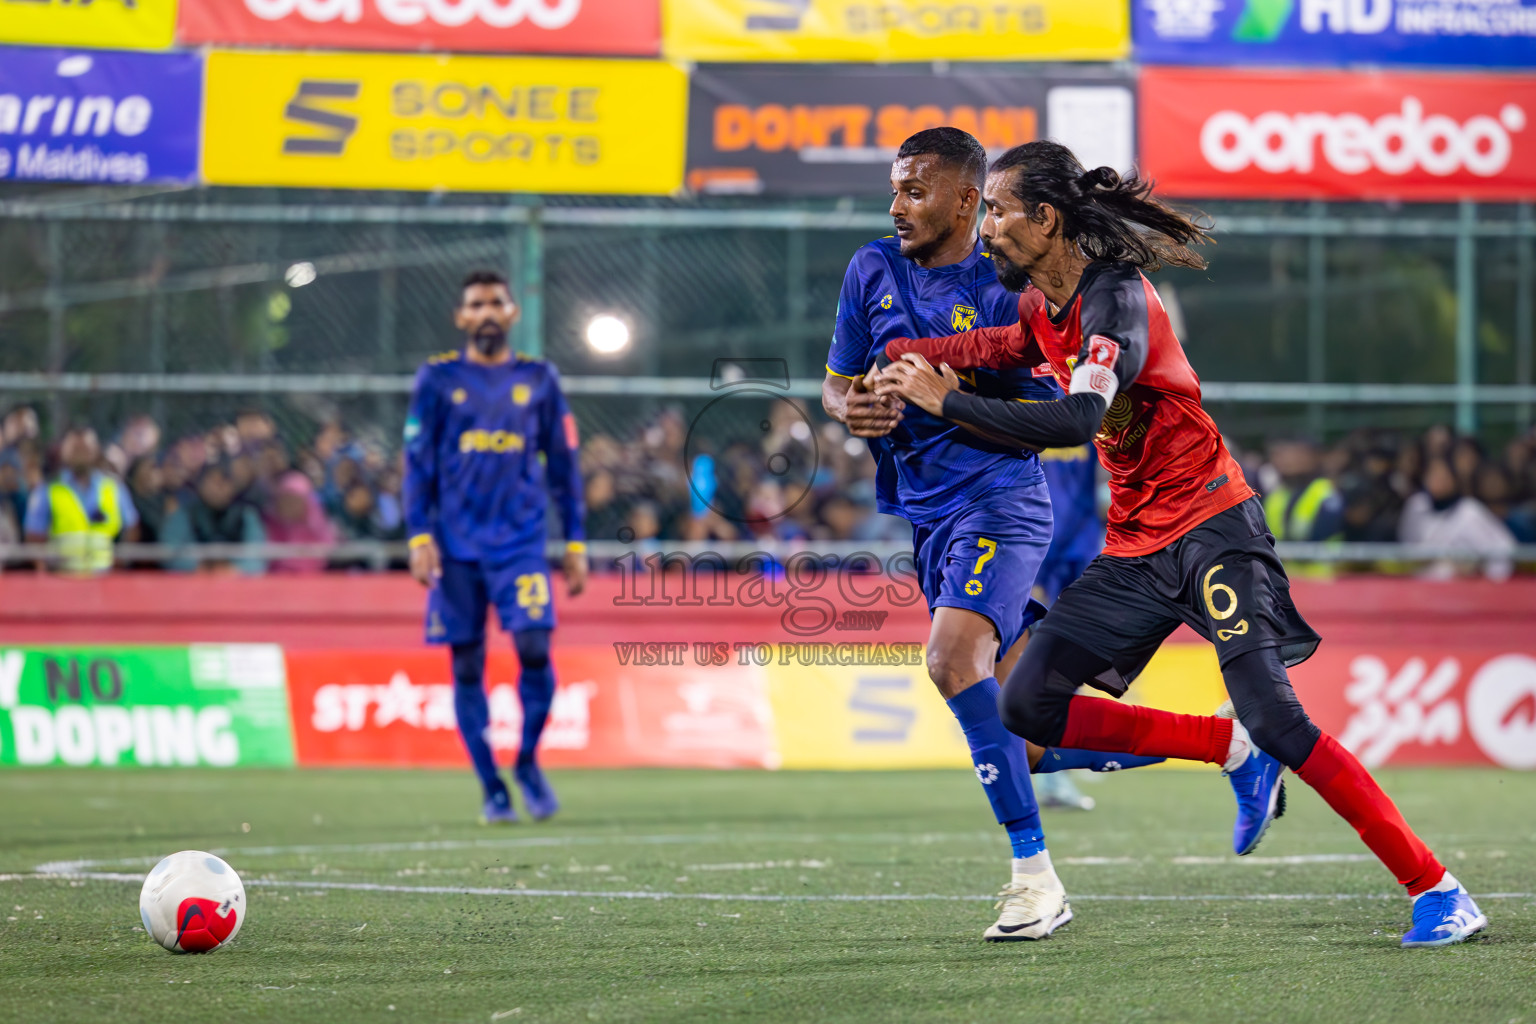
x=1222, y=578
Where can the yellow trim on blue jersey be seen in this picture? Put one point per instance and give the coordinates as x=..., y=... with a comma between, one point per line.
x=445, y=357
x=843, y=375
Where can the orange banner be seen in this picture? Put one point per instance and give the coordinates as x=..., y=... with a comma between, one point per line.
x=396, y=708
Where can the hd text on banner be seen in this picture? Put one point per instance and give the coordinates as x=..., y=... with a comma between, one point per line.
x=415, y=122
x=834, y=130
x=99, y=116
x=213, y=705
x=1336, y=135
x=1468, y=33
x=894, y=30
x=116, y=24
x=627, y=27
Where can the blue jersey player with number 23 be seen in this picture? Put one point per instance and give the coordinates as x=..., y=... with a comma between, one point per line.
x=488, y=442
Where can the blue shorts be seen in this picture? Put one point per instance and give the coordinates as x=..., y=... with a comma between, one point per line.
x=985, y=557
x=519, y=589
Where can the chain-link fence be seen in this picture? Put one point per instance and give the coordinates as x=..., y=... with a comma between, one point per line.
x=316, y=307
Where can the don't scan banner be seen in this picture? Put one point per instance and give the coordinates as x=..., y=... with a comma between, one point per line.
x=215, y=705
x=834, y=130
x=419, y=122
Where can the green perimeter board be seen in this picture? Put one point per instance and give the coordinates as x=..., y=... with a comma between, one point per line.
x=208, y=704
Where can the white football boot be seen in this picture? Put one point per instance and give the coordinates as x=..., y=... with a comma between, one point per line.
x=1032, y=906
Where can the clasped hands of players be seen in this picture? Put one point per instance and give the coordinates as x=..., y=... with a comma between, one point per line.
x=875, y=400
x=426, y=564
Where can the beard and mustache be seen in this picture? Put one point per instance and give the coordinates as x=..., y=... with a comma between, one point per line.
x=1009, y=274
x=489, y=339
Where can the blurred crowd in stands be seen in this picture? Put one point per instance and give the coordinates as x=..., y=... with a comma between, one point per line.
x=240, y=482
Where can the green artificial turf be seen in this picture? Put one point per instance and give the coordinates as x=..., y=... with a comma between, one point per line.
x=1194, y=950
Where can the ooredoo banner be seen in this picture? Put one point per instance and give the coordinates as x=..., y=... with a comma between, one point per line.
x=98, y=116
x=834, y=130
x=892, y=30
x=214, y=705
x=503, y=124
x=116, y=24
x=1227, y=134
x=627, y=27
x=1467, y=33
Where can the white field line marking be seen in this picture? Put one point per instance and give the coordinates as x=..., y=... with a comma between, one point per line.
x=717, y=897
x=891, y=838
x=65, y=867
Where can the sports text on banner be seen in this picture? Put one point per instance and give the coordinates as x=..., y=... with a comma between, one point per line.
x=920, y=30
x=475, y=123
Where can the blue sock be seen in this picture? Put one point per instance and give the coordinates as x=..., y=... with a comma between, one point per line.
x=535, y=687
x=1094, y=760
x=1002, y=765
x=474, y=716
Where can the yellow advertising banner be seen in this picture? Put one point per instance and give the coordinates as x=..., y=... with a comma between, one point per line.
x=109, y=24
x=893, y=30
x=892, y=717
x=426, y=122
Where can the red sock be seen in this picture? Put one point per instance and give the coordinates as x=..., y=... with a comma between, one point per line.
x=1348, y=788
x=1094, y=723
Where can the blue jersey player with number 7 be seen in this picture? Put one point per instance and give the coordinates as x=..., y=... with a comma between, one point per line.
x=488, y=442
x=979, y=507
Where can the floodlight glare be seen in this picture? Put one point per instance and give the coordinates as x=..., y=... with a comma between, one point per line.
x=299, y=275
x=607, y=334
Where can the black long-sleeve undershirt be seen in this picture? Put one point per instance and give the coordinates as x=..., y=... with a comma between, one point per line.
x=1063, y=423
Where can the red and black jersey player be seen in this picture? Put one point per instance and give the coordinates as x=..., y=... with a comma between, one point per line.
x=1187, y=539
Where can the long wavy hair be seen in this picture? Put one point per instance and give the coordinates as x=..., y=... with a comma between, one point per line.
x=1108, y=217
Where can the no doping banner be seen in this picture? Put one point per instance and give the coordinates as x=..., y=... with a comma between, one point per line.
x=215, y=705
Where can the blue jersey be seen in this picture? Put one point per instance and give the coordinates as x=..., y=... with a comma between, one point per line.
x=486, y=447
x=1072, y=476
x=928, y=467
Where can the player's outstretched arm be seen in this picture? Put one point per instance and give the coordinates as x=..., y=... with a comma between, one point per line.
x=1064, y=423
x=420, y=484
x=559, y=440
x=997, y=348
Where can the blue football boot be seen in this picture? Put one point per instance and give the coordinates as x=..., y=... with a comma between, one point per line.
x=1259, y=788
x=1444, y=918
x=538, y=795
x=498, y=810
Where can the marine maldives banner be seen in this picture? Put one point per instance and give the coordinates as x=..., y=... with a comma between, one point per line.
x=208, y=704
x=631, y=27
x=1335, y=135
x=1468, y=33
x=94, y=116
x=834, y=130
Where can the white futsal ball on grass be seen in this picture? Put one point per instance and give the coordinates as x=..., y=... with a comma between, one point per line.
x=192, y=902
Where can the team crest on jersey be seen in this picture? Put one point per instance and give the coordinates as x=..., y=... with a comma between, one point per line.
x=458, y=396
x=521, y=393
x=962, y=318
x=1118, y=416
x=885, y=302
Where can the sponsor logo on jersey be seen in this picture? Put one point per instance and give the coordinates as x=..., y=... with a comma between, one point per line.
x=521, y=393
x=494, y=441
x=885, y=302
x=1103, y=351
x=458, y=396
x=962, y=318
